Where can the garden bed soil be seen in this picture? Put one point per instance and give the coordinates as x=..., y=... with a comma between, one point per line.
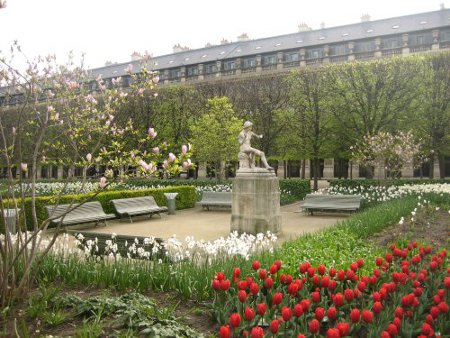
x=431, y=228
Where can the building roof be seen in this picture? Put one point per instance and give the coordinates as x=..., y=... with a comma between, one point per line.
x=295, y=41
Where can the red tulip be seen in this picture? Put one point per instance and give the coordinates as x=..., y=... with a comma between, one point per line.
x=273, y=269
x=315, y=296
x=242, y=296
x=278, y=264
x=298, y=310
x=367, y=316
x=268, y=283
x=338, y=299
x=261, y=308
x=286, y=313
x=314, y=326
x=321, y=269
x=262, y=274
x=443, y=307
x=354, y=315
x=392, y=330
x=242, y=285
x=224, y=331
x=333, y=333
x=379, y=261
x=320, y=313
x=344, y=328
x=257, y=332
x=274, y=325
x=235, y=320
x=249, y=314
x=349, y=295
x=377, y=307
x=256, y=265
x=216, y=284
x=220, y=276
x=224, y=284
x=254, y=289
x=331, y=312
x=277, y=298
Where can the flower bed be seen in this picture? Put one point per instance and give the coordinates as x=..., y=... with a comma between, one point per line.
x=406, y=295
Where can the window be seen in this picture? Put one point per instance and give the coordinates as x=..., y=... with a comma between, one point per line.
x=210, y=68
x=445, y=36
x=174, y=73
x=421, y=39
x=291, y=56
x=192, y=71
x=249, y=63
x=391, y=43
x=315, y=53
x=366, y=46
x=269, y=59
x=338, y=50
x=229, y=65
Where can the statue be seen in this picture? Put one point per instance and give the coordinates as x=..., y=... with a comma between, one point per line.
x=247, y=153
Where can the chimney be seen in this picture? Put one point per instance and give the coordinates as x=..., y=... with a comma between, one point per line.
x=178, y=48
x=243, y=37
x=322, y=25
x=442, y=6
x=365, y=17
x=136, y=56
x=303, y=27
x=224, y=41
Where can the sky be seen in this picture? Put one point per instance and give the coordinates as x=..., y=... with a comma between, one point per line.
x=111, y=30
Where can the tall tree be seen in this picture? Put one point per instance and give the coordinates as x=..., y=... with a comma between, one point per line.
x=214, y=135
x=434, y=117
x=311, y=104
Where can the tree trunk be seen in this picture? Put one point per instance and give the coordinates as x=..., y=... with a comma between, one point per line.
x=316, y=173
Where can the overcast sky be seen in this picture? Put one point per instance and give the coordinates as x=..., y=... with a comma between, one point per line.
x=111, y=30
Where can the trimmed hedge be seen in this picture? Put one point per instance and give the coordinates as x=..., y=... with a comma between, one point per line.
x=186, y=198
x=373, y=182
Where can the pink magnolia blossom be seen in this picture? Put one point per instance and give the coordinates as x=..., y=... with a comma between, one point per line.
x=24, y=167
x=165, y=164
x=141, y=91
x=102, y=183
x=145, y=166
x=155, y=150
x=132, y=154
x=172, y=157
x=89, y=157
x=14, y=131
x=156, y=79
x=152, y=133
x=187, y=164
x=184, y=149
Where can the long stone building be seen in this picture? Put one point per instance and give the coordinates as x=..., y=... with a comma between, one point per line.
x=404, y=35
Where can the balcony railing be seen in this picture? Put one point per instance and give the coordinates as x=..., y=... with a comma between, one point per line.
x=249, y=70
x=364, y=55
x=338, y=58
x=272, y=66
x=391, y=52
x=315, y=61
x=290, y=64
x=420, y=49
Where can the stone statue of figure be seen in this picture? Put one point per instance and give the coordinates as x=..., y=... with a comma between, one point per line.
x=247, y=153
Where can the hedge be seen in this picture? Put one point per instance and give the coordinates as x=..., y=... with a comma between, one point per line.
x=388, y=182
x=186, y=199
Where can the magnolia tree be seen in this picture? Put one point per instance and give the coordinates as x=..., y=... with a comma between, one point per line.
x=388, y=151
x=58, y=114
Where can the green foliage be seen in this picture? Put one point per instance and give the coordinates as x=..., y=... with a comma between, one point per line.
x=214, y=135
x=186, y=199
x=294, y=190
x=367, y=183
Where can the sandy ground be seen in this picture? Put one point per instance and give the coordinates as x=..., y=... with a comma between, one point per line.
x=213, y=224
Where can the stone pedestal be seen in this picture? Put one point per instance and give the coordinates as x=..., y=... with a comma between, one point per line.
x=256, y=202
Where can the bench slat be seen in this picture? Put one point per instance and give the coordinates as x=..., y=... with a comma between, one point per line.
x=216, y=199
x=137, y=206
x=85, y=213
x=331, y=202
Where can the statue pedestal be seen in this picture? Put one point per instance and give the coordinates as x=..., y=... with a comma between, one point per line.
x=255, y=206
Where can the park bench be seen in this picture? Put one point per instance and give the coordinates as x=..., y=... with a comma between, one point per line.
x=103, y=244
x=215, y=199
x=88, y=212
x=134, y=206
x=316, y=202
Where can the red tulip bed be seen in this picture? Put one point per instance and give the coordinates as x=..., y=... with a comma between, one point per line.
x=406, y=296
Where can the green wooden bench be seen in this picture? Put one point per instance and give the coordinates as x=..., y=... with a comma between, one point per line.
x=216, y=199
x=316, y=202
x=102, y=244
x=134, y=206
x=70, y=214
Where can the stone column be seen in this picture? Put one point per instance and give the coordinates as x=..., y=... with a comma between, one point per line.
x=351, y=56
x=201, y=173
x=200, y=72
x=302, y=57
x=38, y=172
x=258, y=64
x=255, y=204
x=353, y=170
x=405, y=49
x=436, y=171
x=328, y=168
x=377, y=53
x=279, y=60
x=408, y=171
x=281, y=169
x=435, y=45
x=60, y=172
x=307, y=169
